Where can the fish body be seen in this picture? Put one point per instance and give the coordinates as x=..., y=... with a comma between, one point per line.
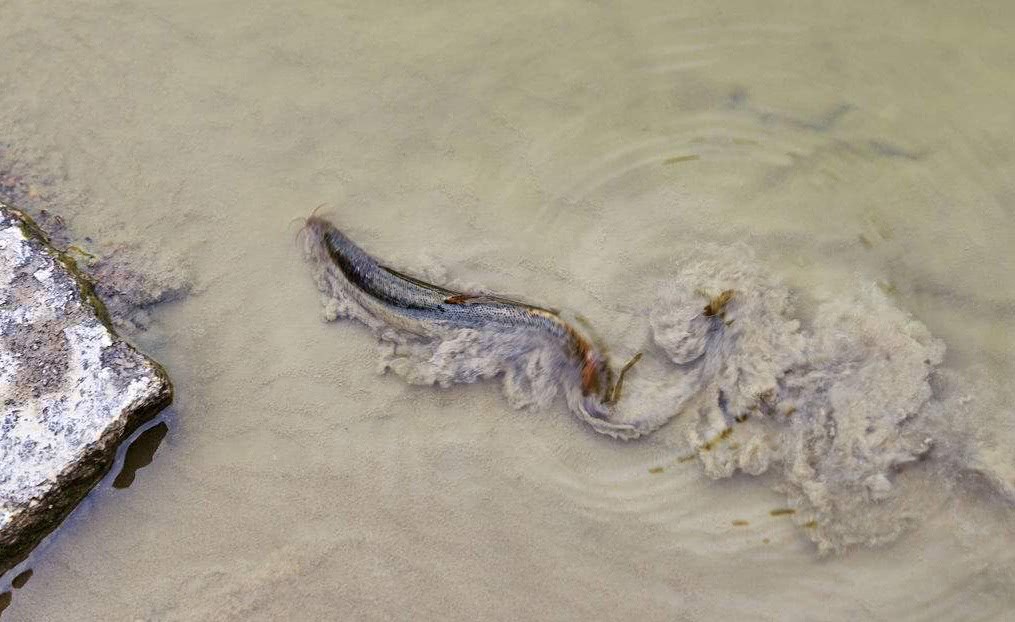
x=414, y=305
x=423, y=303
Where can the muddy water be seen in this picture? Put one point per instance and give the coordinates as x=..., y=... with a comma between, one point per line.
x=566, y=151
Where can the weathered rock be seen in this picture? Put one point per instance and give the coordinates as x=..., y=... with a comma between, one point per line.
x=70, y=389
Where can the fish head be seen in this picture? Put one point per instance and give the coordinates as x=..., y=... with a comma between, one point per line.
x=312, y=236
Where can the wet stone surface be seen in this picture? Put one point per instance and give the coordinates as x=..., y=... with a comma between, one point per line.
x=70, y=389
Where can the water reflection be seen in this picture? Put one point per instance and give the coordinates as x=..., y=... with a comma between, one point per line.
x=140, y=454
x=19, y=582
x=22, y=579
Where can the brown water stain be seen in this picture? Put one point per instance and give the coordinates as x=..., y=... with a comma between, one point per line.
x=655, y=470
x=887, y=287
x=783, y=512
x=740, y=523
x=721, y=436
x=140, y=454
x=717, y=304
x=679, y=159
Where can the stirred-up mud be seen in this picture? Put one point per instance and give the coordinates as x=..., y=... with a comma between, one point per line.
x=834, y=400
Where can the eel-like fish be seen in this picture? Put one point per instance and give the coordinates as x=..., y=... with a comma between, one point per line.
x=406, y=302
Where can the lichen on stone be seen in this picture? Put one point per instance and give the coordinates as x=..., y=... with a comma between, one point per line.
x=70, y=388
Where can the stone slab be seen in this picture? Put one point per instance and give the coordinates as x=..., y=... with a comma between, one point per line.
x=71, y=390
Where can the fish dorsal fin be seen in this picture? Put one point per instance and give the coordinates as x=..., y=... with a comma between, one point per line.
x=453, y=297
x=419, y=282
x=465, y=299
x=473, y=299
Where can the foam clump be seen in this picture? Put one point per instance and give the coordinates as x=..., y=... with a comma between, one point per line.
x=829, y=403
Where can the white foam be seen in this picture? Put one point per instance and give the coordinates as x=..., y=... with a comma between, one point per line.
x=830, y=403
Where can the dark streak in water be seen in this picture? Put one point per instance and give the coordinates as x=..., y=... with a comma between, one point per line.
x=889, y=150
x=22, y=579
x=829, y=120
x=140, y=454
x=738, y=97
x=738, y=100
x=782, y=512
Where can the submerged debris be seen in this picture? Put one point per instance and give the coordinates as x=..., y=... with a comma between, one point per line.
x=129, y=290
x=717, y=305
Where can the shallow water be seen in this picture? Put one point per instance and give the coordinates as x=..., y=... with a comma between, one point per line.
x=570, y=152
